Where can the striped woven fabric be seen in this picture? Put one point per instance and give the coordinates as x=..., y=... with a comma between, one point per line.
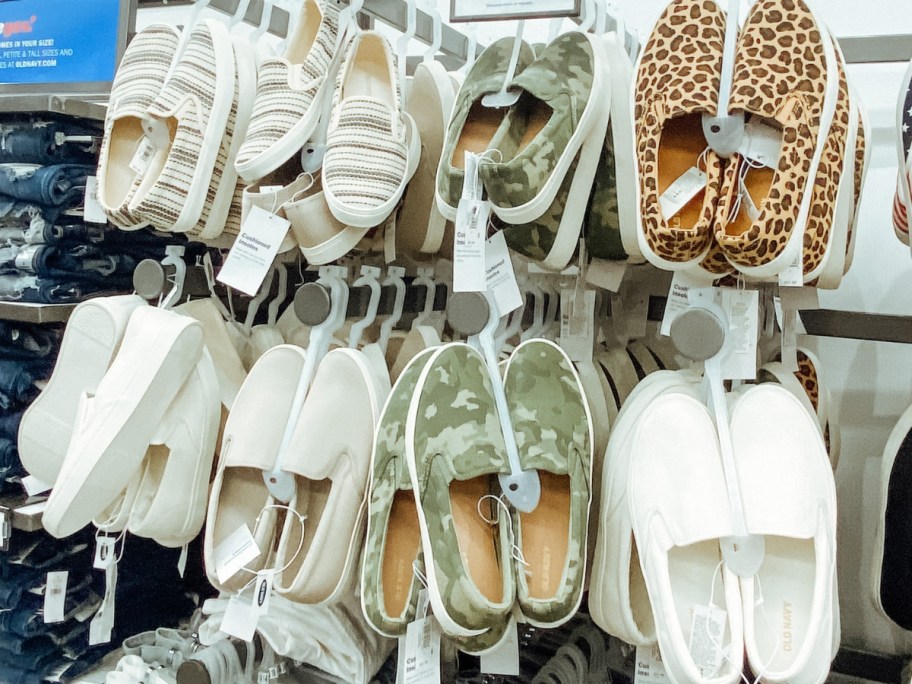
x=286, y=91
x=139, y=80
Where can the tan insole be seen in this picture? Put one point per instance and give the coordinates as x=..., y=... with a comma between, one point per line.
x=545, y=536
x=680, y=147
x=403, y=539
x=124, y=140
x=155, y=462
x=480, y=126
x=758, y=183
x=477, y=539
x=241, y=499
x=311, y=503
x=538, y=116
x=369, y=75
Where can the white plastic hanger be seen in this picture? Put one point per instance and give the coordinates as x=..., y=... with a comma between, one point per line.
x=426, y=279
x=538, y=312
x=239, y=14
x=370, y=276
x=255, y=303
x=554, y=28
x=434, y=47
x=393, y=277
x=265, y=19
x=471, y=32
x=588, y=16
x=402, y=44
x=276, y=303
x=174, y=256
x=725, y=132
x=507, y=96
x=601, y=18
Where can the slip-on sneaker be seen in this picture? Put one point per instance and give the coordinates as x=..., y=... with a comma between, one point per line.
x=644, y=361
x=321, y=237
x=250, y=446
x=115, y=426
x=680, y=510
x=90, y=342
x=276, y=199
x=786, y=82
x=372, y=145
x=902, y=203
x=789, y=605
x=420, y=225
x=676, y=84
x=455, y=450
x=891, y=568
x=553, y=429
x=329, y=457
x=560, y=118
x=474, y=127
x=863, y=150
x=191, y=114
x=138, y=82
x=114, y=519
x=617, y=591
x=290, y=90
x=392, y=548
x=402, y=349
x=170, y=503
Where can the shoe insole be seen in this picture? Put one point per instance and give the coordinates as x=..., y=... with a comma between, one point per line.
x=480, y=126
x=403, y=540
x=786, y=583
x=305, y=34
x=124, y=140
x=680, y=147
x=310, y=502
x=691, y=570
x=369, y=75
x=241, y=499
x=545, y=537
x=477, y=539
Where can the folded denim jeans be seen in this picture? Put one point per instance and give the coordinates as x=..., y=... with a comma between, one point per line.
x=18, y=214
x=84, y=262
x=9, y=424
x=50, y=185
x=17, y=383
x=45, y=142
x=33, y=289
x=26, y=342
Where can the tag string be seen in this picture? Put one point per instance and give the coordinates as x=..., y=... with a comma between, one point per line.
x=515, y=552
x=301, y=518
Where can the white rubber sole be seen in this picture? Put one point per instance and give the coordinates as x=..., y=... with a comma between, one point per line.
x=588, y=121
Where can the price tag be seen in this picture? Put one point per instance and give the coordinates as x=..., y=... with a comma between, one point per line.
x=739, y=358
x=102, y=624
x=501, y=279
x=422, y=652
x=238, y=549
x=761, y=143
x=577, y=334
x=239, y=619
x=254, y=251
x=793, y=274
x=690, y=184
x=92, y=209
x=55, y=596
x=143, y=155
x=607, y=274
x=649, y=666
x=34, y=486
x=262, y=590
x=706, y=633
x=6, y=528
x=105, y=553
x=681, y=284
x=503, y=660
x=469, y=260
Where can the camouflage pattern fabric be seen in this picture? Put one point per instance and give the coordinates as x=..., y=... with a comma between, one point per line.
x=487, y=75
x=454, y=434
x=603, y=224
x=561, y=78
x=554, y=434
x=486, y=641
x=389, y=474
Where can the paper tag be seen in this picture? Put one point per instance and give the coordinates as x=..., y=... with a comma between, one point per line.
x=422, y=652
x=649, y=666
x=312, y=155
x=793, y=274
x=577, y=334
x=706, y=633
x=6, y=528
x=143, y=155
x=739, y=358
x=682, y=191
x=92, y=209
x=34, y=486
x=157, y=131
x=102, y=625
x=239, y=619
x=501, y=279
x=681, y=284
x=503, y=660
x=607, y=274
x=789, y=339
x=105, y=552
x=253, y=251
x=270, y=189
x=262, y=590
x=238, y=549
x=747, y=202
x=55, y=596
x=182, y=560
x=400, y=661
x=421, y=605
x=472, y=186
x=469, y=263
x=761, y=143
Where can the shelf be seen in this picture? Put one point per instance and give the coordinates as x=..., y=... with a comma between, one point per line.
x=35, y=313
x=75, y=106
x=26, y=511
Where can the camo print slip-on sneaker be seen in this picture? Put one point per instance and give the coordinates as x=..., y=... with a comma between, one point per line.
x=560, y=118
x=676, y=84
x=553, y=431
x=786, y=82
x=473, y=127
x=455, y=450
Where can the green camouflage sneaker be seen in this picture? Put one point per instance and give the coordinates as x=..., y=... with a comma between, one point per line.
x=474, y=127
x=603, y=224
x=487, y=641
x=455, y=450
x=389, y=587
x=553, y=430
x=564, y=104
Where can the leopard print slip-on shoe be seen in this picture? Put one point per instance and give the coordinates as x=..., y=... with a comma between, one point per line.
x=676, y=83
x=862, y=163
x=786, y=83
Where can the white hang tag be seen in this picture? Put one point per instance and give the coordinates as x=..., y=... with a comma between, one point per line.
x=105, y=552
x=739, y=358
x=800, y=298
x=400, y=661
x=469, y=261
x=102, y=625
x=503, y=660
x=55, y=596
x=747, y=202
x=649, y=666
x=793, y=274
x=270, y=189
x=761, y=143
x=182, y=561
x=636, y=313
x=140, y=160
x=607, y=274
x=6, y=528
x=236, y=551
x=789, y=339
x=312, y=155
x=157, y=131
x=239, y=619
x=421, y=605
x=92, y=209
x=422, y=652
x=501, y=279
x=33, y=486
x=706, y=634
x=577, y=333
x=690, y=184
x=254, y=251
x=681, y=284
x=262, y=590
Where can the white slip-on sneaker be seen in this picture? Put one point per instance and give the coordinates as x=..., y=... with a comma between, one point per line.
x=680, y=510
x=329, y=456
x=170, y=504
x=90, y=342
x=114, y=427
x=372, y=145
x=789, y=497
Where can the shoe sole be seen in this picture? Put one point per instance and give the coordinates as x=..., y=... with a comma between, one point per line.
x=866, y=165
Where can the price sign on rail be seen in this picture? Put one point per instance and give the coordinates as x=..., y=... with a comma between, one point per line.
x=499, y=10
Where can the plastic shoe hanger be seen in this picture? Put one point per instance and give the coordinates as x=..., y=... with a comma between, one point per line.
x=402, y=44
x=471, y=46
x=725, y=132
x=539, y=322
x=239, y=14
x=255, y=303
x=589, y=16
x=174, y=257
x=426, y=279
x=506, y=96
x=601, y=18
x=393, y=278
x=434, y=47
x=265, y=19
x=370, y=277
